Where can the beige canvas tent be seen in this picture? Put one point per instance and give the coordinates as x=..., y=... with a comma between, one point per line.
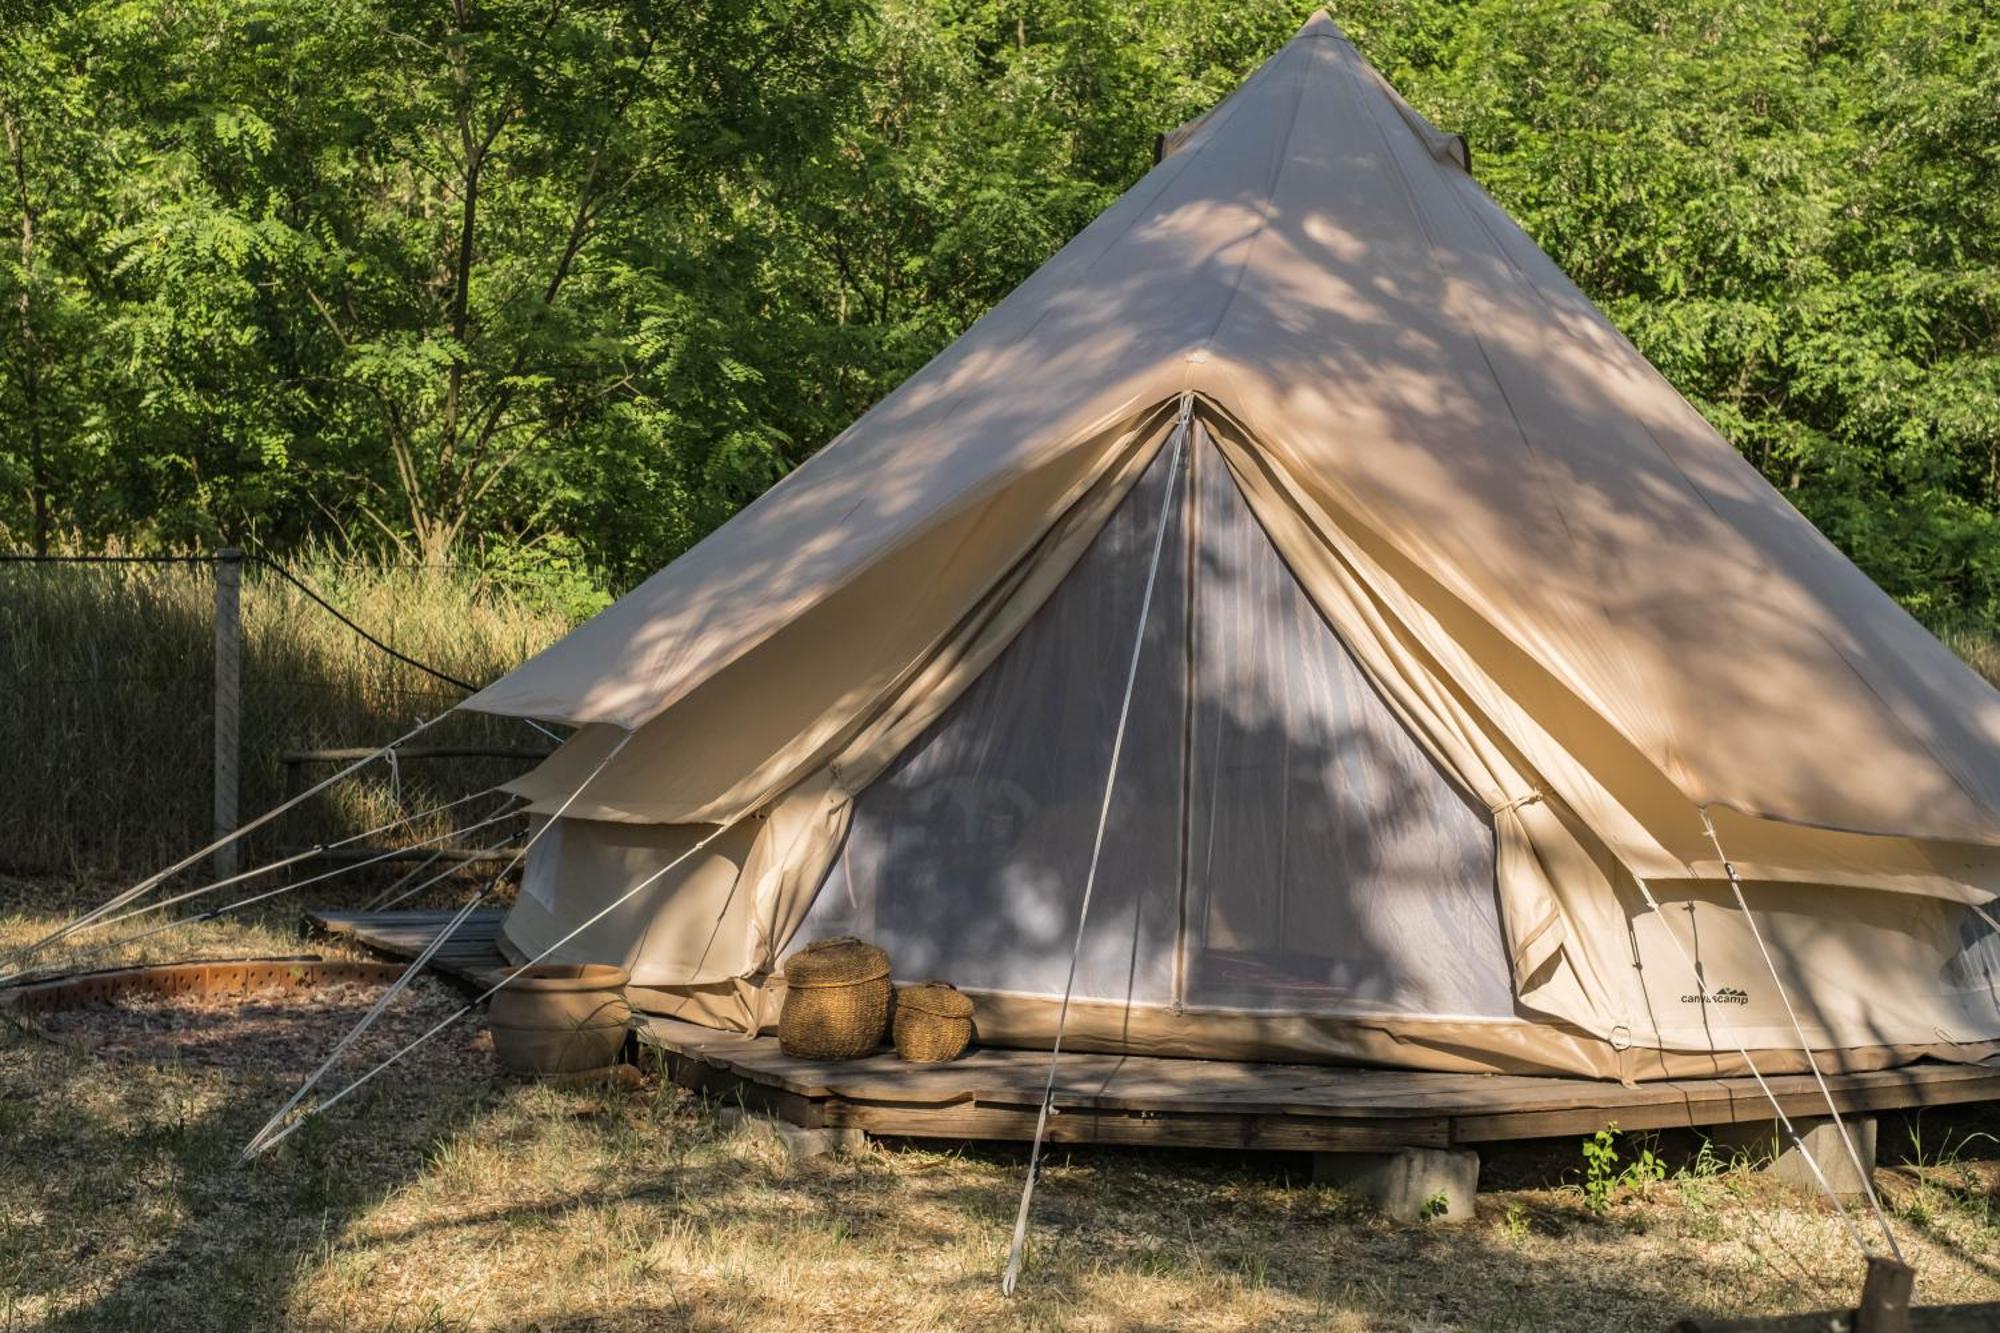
x=1461, y=621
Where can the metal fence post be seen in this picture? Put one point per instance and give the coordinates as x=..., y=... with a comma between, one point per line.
x=228, y=698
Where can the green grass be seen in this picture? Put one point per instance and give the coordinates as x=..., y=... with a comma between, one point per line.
x=106, y=689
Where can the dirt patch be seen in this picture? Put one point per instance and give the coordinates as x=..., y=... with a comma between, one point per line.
x=282, y=1032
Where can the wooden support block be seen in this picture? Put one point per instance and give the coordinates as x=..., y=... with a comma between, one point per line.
x=1885, y=1297
x=799, y=1142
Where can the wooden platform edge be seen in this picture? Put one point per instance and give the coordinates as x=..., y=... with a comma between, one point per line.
x=472, y=957
x=1683, y=1105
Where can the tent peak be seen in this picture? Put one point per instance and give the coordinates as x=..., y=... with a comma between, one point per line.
x=1321, y=24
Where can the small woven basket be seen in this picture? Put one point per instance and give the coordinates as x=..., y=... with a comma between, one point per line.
x=933, y=1022
x=836, y=1000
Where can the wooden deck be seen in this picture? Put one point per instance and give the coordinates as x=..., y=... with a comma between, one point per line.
x=993, y=1094
x=473, y=954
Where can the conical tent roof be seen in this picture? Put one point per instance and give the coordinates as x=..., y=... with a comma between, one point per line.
x=1314, y=260
x=1471, y=630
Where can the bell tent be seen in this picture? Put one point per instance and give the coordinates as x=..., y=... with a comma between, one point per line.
x=1450, y=659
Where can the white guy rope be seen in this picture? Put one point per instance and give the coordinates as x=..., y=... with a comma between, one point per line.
x=227, y=908
x=497, y=986
x=444, y=874
x=105, y=946
x=394, y=989
x=375, y=903
x=387, y=854
x=120, y=899
x=266, y=1139
x=1785, y=1121
x=1847, y=1140
x=1020, y=1241
x=282, y=862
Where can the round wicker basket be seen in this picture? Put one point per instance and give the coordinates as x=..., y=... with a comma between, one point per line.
x=933, y=1022
x=836, y=1000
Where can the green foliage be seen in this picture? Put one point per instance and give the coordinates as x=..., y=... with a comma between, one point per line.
x=1606, y=1173
x=586, y=277
x=1600, y=1169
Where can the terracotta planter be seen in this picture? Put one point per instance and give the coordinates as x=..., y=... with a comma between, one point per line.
x=560, y=1018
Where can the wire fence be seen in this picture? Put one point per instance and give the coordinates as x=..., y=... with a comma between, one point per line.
x=109, y=701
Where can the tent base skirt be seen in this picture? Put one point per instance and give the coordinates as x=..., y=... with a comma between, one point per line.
x=1525, y=1045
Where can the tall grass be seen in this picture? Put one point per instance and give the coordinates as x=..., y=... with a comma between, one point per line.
x=1978, y=647
x=106, y=702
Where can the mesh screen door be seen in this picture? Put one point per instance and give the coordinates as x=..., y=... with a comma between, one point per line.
x=966, y=859
x=1277, y=842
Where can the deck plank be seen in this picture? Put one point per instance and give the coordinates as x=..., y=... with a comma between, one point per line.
x=472, y=954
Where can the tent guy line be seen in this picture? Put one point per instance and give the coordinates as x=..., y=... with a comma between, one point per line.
x=264, y=1138
x=206, y=889
x=375, y=1011
x=1777, y=1110
x=108, y=946
x=375, y=903
x=99, y=922
x=444, y=874
x=1812, y=1061
x=151, y=882
x=283, y=889
x=1017, y=1247
x=486, y=994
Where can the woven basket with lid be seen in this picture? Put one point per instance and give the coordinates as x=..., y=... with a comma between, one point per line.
x=933, y=1022
x=836, y=1000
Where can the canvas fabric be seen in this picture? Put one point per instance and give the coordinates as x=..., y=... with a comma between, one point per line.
x=1582, y=606
x=1308, y=263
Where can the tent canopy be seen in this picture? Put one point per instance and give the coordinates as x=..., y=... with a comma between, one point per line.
x=1308, y=260
x=1470, y=627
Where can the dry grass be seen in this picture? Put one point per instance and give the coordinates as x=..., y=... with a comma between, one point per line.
x=106, y=701
x=1978, y=647
x=422, y=1204
x=493, y=1205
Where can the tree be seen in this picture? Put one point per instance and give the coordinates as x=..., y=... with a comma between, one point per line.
x=587, y=276
x=53, y=166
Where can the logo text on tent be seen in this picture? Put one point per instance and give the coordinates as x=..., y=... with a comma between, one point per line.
x=1721, y=995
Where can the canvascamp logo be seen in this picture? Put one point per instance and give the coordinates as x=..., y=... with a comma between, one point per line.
x=1720, y=995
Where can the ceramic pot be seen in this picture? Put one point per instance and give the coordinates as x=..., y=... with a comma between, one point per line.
x=560, y=1018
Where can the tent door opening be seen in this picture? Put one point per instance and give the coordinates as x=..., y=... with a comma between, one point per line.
x=1278, y=843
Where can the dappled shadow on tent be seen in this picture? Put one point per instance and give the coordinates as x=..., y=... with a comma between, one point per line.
x=1375, y=320
x=1389, y=342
